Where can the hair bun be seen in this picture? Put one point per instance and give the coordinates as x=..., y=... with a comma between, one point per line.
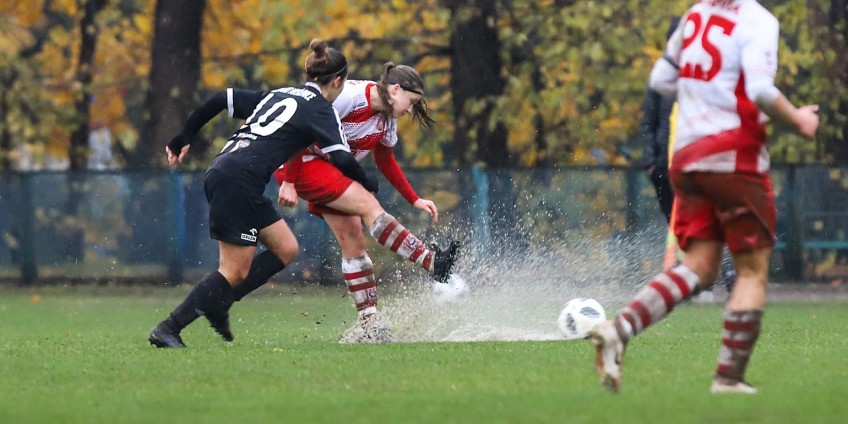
x=318, y=46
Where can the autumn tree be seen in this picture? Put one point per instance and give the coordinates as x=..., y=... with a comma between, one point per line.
x=89, y=30
x=830, y=27
x=512, y=83
x=174, y=75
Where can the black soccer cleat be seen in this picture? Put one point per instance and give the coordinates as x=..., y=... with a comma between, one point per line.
x=444, y=261
x=165, y=337
x=220, y=322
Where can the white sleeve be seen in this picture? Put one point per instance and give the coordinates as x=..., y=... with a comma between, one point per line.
x=664, y=78
x=759, y=60
x=230, y=103
x=667, y=68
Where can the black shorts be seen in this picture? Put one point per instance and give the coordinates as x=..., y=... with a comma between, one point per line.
x=237, y=208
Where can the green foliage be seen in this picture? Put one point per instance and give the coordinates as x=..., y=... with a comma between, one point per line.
x=575, y=71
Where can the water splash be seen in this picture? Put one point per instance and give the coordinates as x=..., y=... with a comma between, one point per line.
x=518, y=296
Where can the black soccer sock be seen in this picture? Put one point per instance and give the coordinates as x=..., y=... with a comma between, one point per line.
x=263, y=267
x=209, y=294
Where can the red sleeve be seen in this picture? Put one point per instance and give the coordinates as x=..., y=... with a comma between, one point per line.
x=290, y=170
x=386, y=163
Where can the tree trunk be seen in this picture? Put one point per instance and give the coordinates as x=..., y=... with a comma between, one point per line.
x=174, y=75
x=5, y=134
x=476, y=80
x=839, y=18
x=476, y=84
x=78, y=154
x=89, y=30
x=832, y=30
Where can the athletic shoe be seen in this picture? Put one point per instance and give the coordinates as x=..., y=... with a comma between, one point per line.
x=609, y=348
x=367, y=330
x=165, y=337
x=444, y=261
x=220, y=322
x=724, y=385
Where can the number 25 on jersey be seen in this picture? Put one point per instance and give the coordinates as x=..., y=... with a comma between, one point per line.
x=703, y=33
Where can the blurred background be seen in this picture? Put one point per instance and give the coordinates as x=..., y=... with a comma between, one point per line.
x=537, y=148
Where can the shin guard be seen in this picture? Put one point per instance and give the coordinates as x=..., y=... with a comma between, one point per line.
x=656, y=300
x=391, y=234
x=741, y=330
x=360, y=280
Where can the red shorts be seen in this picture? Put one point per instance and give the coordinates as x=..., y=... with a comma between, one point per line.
x=320, y=183
x=738, y=209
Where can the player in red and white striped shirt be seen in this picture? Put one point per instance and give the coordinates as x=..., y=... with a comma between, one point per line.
x=720, y=65
x=369, y=112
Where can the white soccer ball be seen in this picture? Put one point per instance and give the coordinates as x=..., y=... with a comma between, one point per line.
x=579, y=317
x=453, y=291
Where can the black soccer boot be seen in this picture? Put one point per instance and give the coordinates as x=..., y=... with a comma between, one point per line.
x=444, y=261
x=165, y=337
x=220, y=322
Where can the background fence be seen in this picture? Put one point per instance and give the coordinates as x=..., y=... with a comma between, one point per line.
x=123, y=227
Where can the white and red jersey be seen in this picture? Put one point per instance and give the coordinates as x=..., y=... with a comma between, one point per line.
x=363, y=126
x=725, y=52
x=366, y=130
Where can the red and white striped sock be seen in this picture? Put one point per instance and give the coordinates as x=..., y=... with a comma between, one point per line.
x=741, y=330
x=390, y=233
x=656, y=300
x=360, y=280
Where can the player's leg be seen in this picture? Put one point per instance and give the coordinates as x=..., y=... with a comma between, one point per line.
x=742, y=321
x=393, y=235
x=749, y=225
x=207, y=296
x=650, y=305
x=357, y=268
x=236, y=211
x=698, y=232
x=282, y=249
x=358, y=272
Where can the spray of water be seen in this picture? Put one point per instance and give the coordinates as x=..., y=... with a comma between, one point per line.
x=518, y=296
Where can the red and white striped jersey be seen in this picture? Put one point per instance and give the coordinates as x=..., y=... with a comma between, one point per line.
x=363, y=126
x=726, y=55
x=366, y=131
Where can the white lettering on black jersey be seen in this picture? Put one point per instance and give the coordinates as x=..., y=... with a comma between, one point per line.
x=279, y=124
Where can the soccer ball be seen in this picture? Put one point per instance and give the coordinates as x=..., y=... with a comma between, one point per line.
x=453, y=291
x=579, y=317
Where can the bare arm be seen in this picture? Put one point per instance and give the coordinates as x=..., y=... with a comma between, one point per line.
x=805, y=120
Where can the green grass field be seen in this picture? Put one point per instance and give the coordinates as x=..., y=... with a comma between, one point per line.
x=81, y=356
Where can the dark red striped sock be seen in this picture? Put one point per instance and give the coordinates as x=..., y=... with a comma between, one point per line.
x=741, y=330
x=390, y=233
x=360, y=280
x=656, y=300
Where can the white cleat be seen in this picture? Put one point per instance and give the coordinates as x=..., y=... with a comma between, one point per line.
x=724, y=386
x=368, y=330
x=609, y=348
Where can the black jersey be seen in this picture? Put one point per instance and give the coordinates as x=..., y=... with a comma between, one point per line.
x=279, y=124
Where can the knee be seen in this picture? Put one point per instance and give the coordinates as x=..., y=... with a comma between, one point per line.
x=237, y=276
x=289, y=252
x=706, y=272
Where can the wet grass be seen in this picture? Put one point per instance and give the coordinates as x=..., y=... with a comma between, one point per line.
x=81, y=356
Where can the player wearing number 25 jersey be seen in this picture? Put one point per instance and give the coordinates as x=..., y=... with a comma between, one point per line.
x=726, y=58
x=720, y=64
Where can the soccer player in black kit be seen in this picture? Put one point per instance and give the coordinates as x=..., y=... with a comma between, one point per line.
x=279, y=124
